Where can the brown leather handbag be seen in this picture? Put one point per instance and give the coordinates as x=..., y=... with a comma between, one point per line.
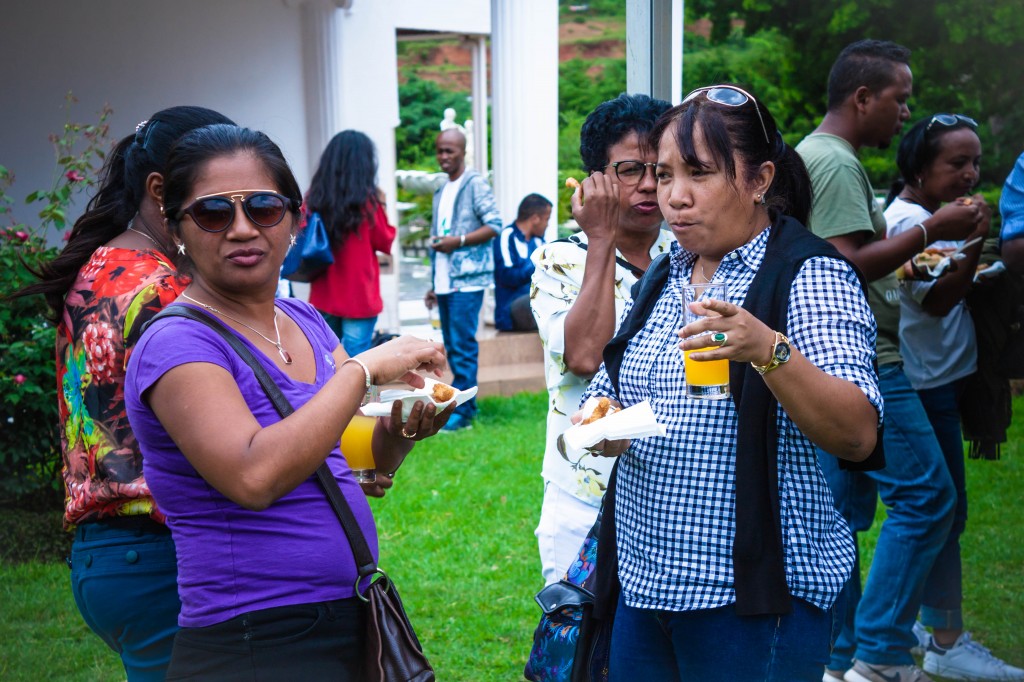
x=393, y=652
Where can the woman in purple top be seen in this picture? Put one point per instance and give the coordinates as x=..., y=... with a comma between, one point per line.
x=266, y=575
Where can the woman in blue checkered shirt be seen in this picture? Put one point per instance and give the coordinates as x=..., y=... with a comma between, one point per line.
x=730, y=553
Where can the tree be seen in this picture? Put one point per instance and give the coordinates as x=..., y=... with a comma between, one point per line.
x=964, y=53
x=421, y=105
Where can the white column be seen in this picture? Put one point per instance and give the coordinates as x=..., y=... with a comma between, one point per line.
x=320, y=74
x=524, y=58
x=654, y=48
x=480, y=101
x=367, y=82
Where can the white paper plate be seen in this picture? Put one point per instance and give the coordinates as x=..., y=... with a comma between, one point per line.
x=410, y=397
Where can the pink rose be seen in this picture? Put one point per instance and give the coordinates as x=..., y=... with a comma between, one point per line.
x=21, y=235
x=67, y=235
x=19, y=379
x=74, y=176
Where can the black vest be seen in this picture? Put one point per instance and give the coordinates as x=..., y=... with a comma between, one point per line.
x=757, y=548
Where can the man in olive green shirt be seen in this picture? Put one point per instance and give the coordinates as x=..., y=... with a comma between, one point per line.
x=868, y=89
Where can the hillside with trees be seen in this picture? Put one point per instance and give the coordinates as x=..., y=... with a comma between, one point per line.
x=964, y=58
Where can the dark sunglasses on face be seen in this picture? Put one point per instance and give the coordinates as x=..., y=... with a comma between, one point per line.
x=730, y=96
x=216, y=212
x=631, y=172
x=950, y=120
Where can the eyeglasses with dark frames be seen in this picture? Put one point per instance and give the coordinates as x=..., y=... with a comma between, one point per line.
x=950, y=120
x=216, y=212
x=730, y=96
x=631, y=172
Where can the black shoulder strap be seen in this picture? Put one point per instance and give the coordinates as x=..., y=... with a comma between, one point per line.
x=573, y=239
x=360, y=550
x=645, y=292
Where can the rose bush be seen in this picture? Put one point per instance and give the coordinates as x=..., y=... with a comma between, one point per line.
x=29, y=441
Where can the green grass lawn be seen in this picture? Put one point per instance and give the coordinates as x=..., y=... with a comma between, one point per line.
x=457, y=537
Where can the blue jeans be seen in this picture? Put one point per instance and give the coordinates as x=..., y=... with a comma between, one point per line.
x=460, y=317
x=943, y=592
x=716, y=645
x=125, y=583
x=918, y=493
x=355, y=334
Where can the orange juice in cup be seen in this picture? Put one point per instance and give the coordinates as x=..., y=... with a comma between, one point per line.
x=355, y=446
x=707, y=379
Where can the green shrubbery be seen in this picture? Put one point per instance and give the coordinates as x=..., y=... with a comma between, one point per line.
x=29, y=442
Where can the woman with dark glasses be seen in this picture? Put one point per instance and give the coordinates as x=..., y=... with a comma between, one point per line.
x=266, y=575
x=115, y=273
x=344, y=192
x=939, y=161
x=730, y=553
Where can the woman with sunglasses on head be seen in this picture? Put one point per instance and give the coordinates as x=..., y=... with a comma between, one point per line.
x=114, y=274
x=730, y=553
x=345, y=194
x=266, y=575
x=939, y=161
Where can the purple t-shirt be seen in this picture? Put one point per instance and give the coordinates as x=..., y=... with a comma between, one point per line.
x=232, y=560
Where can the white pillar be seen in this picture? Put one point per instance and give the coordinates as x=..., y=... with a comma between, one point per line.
x=320, y=74
x=480, y=101
x=654, y=48
x=367, y=87
x=524, y=58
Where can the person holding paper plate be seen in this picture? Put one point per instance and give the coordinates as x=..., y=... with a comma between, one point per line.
x=940, y=162
x=266, y=575
x=730, y=553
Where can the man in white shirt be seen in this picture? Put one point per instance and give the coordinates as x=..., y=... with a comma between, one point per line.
x=466, y=218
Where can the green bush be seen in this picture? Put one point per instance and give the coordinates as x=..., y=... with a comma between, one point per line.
x=29, y=440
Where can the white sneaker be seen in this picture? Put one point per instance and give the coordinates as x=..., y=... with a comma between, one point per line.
x=968, y=660
x=923, y=637
x=867, y=672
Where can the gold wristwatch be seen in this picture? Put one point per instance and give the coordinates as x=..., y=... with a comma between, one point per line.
x=780, y=355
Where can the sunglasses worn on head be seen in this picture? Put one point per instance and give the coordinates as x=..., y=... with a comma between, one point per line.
x=950, y=120
x=216, y=212
x=730, y=96
x=631, y=172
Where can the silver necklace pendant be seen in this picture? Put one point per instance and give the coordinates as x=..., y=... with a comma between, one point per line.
x=285, y=355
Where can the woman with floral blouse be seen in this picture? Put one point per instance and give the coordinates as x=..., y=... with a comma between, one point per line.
x=114, y=274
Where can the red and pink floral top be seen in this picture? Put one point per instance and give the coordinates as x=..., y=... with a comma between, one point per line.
x=117, y=291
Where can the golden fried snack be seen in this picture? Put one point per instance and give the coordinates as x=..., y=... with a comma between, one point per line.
x=602, y=409
x=968, y=201
x=572, y=182
x=929, y=258
x=442, y=392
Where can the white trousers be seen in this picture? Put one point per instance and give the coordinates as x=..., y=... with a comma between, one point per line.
x=564, y=523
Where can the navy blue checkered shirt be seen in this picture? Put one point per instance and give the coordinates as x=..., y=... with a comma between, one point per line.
x=674, y=512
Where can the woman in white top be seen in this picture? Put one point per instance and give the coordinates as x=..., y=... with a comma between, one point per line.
x=939, y=160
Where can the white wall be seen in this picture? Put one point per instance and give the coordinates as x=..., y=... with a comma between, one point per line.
x=239, y=57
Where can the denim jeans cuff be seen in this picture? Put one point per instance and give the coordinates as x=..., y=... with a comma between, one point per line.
x=952, y=619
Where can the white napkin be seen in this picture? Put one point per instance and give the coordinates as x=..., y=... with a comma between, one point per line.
x=635, y=421
x=409, y=398
x=994, y=270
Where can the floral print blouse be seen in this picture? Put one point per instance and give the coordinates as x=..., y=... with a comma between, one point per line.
x=117, y=291
x=556, y=284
